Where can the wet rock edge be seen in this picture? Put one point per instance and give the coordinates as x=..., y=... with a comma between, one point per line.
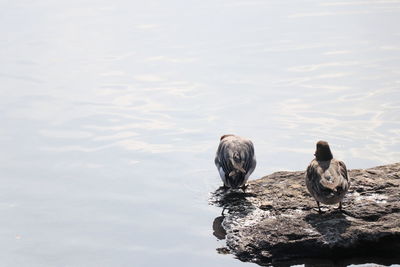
x=275, y=221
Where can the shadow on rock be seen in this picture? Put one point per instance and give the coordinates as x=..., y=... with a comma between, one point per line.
x=330, y=225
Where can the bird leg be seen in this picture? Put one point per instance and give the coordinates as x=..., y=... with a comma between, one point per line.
x=244, y=187
x=340, y=206
x=319, y=208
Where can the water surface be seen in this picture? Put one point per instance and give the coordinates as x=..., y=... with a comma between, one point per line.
x=111, y=113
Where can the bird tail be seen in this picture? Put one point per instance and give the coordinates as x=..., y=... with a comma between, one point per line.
x=333, y=192
x=237, y=175
x=237, y=163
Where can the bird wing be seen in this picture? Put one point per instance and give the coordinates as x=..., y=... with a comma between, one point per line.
x=313, y=182
x=343, y=170
x=311, y=173
x=248, y=156
x=223, y=158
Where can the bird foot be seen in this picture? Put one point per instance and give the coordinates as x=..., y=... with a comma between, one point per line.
x=340, y=207
x=244, y=188
x=224, y=188
x=320, y=211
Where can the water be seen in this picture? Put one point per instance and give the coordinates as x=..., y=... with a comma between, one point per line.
x=111, y=112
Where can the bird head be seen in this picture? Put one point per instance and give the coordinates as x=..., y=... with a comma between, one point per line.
x=323, y=152
x=225, y=136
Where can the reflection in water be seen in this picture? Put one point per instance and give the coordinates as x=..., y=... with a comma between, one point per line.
x=218, y=230
x=220, y=233
x=232, y=200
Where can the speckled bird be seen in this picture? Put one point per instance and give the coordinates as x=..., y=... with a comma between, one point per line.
x=326, y=178
x=235, y=160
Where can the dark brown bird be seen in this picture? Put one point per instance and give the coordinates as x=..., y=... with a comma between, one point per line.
x=326, y=178
x=235, y=160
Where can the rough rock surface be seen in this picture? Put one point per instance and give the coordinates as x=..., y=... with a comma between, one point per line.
x=276, y=221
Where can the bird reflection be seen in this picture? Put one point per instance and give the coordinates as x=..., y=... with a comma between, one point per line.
x=233, y=203
x=218, y=230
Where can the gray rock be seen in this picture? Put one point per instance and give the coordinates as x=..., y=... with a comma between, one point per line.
x=276, y=221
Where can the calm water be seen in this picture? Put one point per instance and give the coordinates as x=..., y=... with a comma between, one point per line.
x=111, y=113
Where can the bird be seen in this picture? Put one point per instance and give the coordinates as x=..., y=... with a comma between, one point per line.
x=327, y=179
x=235, y=160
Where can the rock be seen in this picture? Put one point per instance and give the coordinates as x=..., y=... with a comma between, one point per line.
x=276, y=220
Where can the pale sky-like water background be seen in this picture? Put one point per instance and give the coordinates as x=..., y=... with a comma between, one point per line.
x=111, y=112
